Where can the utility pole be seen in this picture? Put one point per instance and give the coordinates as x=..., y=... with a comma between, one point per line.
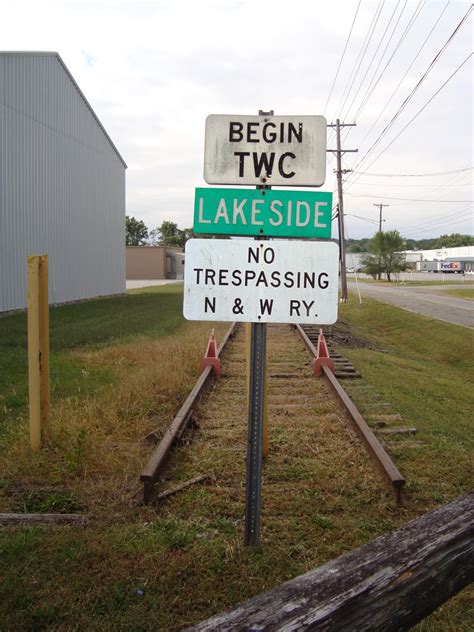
x=380, y=206
x=340, y=215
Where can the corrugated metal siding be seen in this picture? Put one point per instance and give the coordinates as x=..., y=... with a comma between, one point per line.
x=62, y=186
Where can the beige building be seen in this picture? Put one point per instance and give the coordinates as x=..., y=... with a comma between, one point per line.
x=154, y=262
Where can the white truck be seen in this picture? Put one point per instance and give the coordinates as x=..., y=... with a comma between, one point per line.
x=448, y=267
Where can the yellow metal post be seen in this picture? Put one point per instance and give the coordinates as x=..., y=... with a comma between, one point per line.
x=44, y=344
x=34, y=352
x=265, y=437
x=38, y=348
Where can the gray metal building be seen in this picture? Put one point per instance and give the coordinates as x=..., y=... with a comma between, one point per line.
x=62, y=185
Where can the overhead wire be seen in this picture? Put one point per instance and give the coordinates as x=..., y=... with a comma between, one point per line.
x=372, y=86
x=438, y=226
x=408, y=28
x=393, y=184
x=431, y=190
x=413, y=175
x=418, y=113
x=374, y=55
x=458, y=216
x=342, y=57
x=361, y=55
x=438, y=220
x=406, y=199
x=413, y=92
x=366, y=219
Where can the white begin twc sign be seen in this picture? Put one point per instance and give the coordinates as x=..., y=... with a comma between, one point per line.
x=265, y=150
x=261, y=281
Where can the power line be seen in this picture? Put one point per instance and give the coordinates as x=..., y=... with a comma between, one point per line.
x=416, y=87
x=407, y=199
x=384, y=33
x=360, y=56
x=389, y=100
x=420, y=110
x=397, y=184
x=342, y=57
x=366, y=219
x=370, y=89
x=443, y=225
x=438, y=219
x=412, y=175
x=431, y=191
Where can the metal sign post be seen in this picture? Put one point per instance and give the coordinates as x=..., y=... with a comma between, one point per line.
x=256, y=406
x=257, y=410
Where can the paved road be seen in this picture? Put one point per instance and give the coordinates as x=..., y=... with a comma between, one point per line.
x=133, y=285
x=428, y=300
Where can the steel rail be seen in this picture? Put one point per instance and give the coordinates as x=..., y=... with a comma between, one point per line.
x=150, y=473
x=375, y=449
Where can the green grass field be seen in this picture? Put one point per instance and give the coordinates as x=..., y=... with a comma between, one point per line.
x=406, y=281
x=425, y=371
x=466, y=293
x=121, y=367
x=82, y=326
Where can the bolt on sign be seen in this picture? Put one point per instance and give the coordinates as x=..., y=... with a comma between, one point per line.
x=266, y=212
x=261, y=281
x=265, y=150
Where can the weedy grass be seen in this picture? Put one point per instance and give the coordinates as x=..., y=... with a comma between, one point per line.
x=404, y=280
x=466, y=293
x=167, y=566
x=423, y=368
x=92, y=325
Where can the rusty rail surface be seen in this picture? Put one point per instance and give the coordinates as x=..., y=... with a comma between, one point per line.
x=150, y=473
x=375, y=449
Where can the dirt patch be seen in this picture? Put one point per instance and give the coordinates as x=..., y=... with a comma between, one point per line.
x=340, y=334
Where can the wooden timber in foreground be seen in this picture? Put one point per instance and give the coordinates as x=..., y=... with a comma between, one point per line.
x=387, y=585
x=157, y=460
x=375, y=449
x=29, y=519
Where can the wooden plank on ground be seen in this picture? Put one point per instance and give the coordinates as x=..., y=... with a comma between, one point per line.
x=14, y=519
x=387, y=585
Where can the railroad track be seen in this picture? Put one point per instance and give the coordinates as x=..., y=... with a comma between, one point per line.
x=307, y=415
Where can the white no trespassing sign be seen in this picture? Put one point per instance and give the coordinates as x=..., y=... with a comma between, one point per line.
x=261, y=281
x=265, y=150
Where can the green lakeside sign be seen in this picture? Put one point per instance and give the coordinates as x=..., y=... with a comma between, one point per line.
x=269, y=212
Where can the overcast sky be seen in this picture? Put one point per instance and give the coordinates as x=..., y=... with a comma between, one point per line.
x=153, y=71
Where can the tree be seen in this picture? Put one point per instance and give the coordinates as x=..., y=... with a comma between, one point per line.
x=453, y=240
x=168, y=234
x=384, y=254
x=136, y=233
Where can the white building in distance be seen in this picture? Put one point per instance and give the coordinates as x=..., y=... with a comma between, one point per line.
x=62, y=185
x=440, y=254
